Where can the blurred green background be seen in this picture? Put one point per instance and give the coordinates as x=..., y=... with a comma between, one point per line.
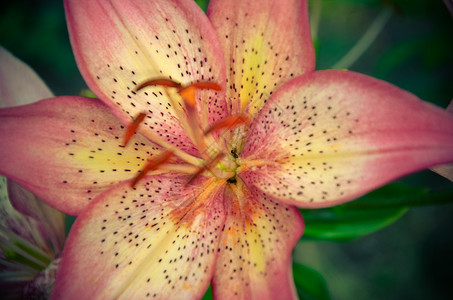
x=412, y=259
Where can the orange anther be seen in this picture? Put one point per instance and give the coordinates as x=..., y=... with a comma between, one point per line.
x=228, y=122
x=153, y=164
x=188, y=94
x=159, y=82
x=206, y=85
x=132, y=127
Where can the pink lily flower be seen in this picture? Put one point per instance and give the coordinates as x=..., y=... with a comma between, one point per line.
x=31, y=233
x=234, y=129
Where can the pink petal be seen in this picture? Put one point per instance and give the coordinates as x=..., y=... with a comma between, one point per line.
x=331, y=136
x=67, y=150
x=158, y=240
x=266, y=43
x=19, y=84
x=121, y=44
x=446, y=170
x=50, y=222
x=255, y=250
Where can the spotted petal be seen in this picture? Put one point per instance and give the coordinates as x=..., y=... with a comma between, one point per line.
x=331, y=136
x=158, y=240
x=18, y=83
x=266, y=43
x=67, y=150
x=255, y=249
x=120, y=44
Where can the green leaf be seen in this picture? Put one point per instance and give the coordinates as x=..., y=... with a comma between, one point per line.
x=397, y=195
x=87, y=93
x=69, y=221
x=14, y=256
x=32, y=252
x=344, y=224
x=369, y=213
x=208, y=294
x=203, y=4
x=310, y=285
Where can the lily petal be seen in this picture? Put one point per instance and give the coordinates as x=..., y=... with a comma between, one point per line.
x=446, y=170
x=31, y=233
x=265, y=44
x=331, y=136
x=157, y=240
x=255, y=249
x=120, y=44
x=68, y=146
x=19, y=84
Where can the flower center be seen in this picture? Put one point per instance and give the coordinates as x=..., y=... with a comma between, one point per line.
x=215, y=157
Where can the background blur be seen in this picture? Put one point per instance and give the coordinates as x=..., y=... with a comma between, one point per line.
x=411, y=259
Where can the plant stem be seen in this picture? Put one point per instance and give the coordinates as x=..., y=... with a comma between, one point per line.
x=365, y=41
x=315, y=17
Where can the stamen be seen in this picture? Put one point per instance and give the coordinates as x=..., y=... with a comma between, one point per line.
x=207, y=167
x=178, y=110
x=188, y=92
x=132, y=127
x=207, y=85
x=153, y=164
x=188, y=95
x=228, y=122
x=187, y=114
x=194, y=129
x=159, y=82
